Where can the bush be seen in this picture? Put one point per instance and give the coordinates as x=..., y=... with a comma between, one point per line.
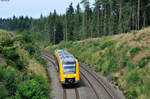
x=132, y=94
x=36, y=88
x=3, y=92
x=31, y=48
x=10, y=79
x=10, y=53
x=140, y=37
x=105, y=44
x=40, y=59
x=21, y=64
x=134, y=50
x=110, y=63
x=26, y=38
x=134, y=78
x=144, y=61
x=6, y=42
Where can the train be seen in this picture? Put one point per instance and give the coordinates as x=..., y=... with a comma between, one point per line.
x=67, y=66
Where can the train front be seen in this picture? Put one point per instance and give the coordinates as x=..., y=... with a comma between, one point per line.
x=70, y=68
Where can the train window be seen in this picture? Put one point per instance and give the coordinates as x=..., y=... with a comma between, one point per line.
x=69, y=68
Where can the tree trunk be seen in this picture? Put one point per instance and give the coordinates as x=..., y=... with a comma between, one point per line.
x=138, y=15
x=120, y=13
x=104, y=19
x=144, y=19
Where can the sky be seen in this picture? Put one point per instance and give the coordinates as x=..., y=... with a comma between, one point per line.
x=34, y=8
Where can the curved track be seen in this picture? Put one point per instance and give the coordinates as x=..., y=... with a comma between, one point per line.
x=99, y=81
x=98, y=88
x=51, y=59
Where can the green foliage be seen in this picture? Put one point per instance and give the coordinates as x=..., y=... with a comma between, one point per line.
x=147, y=87
x=36, y=88
x=6, y=42
x=134, y=78
x=144, y=61
x=133, y=31
x=26, y=38
x=10, y=53
x=131, y=94
x=14, y=59
x=21, y=63
x=4, y=92
x=39, y=58
x=31, y=48
x=9, y=79
x=120, y=47
x=140, y=37
x=105, y=44
x=134, y=50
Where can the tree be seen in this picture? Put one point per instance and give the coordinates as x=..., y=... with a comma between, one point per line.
x=70, y=23
x=77, y=23
x=86, y=19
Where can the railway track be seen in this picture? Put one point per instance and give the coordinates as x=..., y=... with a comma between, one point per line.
x=64, y=89
x=64, y=94
x=85, y=73
x=49, y=56
x=100, y=83
x=90, y=84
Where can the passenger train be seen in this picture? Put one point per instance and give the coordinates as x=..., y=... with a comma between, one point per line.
x=68, y=67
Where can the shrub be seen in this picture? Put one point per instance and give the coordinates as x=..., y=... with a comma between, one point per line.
x=144, y=61
x=98, y=69
x=120, y=47
x=134, y=78
x=31, y=48
x=3, y=92
x=132, y=94
x=26, y=38
x=10, y=80
x=105, y=44
x=111, y=60
x=140, y=37
x=10, y=53
x=134, y=50
x=40, y=59
x=36, y=88
x=21, y=64
x=134, y=32
x=6, y=42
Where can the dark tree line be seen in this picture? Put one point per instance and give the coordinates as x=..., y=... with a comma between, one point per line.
x=107, y=17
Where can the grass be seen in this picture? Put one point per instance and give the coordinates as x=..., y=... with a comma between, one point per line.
x=116, y=55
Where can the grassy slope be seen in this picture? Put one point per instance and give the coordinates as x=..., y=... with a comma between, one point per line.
x=34, y=67
x=125, y=56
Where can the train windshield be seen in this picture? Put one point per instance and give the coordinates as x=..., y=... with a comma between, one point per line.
x=69, y=68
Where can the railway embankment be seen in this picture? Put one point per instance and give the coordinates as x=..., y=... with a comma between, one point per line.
x=123, y=59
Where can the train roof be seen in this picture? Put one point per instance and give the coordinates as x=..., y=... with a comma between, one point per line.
x=65, y=56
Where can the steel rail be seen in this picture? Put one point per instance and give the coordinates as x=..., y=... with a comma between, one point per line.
x=100, y=82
